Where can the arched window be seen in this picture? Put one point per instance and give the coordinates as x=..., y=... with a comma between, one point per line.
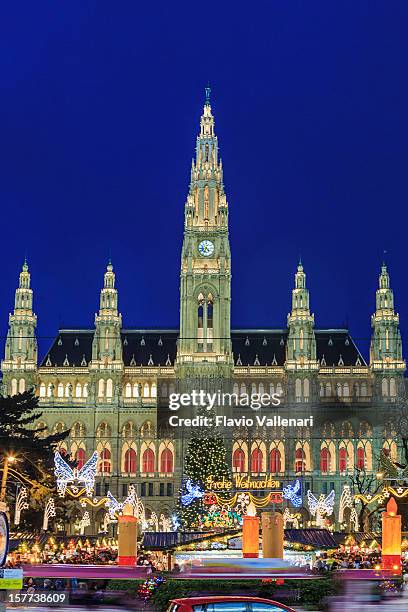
x=109, y=388
x=78, y=390
x=328, y=389
x=85, y=390
x=166, y=462
x=80, y=458
x=360, y=458
x=146, y=392
x=384, y=387
x=106, y=464
x=60, y=390
x=148, y=461
x=103, y=430
x=67, y=390
x=101, y=388
x=257, y=460
x=301, y=339
x=128, y=430
x=275, y=461
x=279, y=389
x=235, y=388
x=78, y=430
x=107, y=339
x=154, y=390
x=306, y=387
x=238, y=460
x=325, y=460
x=298, y=389
x=342, y=459
x=346, y=390
x=338, y=390
x=136, y=390
x=300, y=460
x=243, y=389
x=49, y=390
x=253, y=388
x=43, y=390
x=21, y=385
x=14, y=386
x=271, y=389
x=393, y=388
x=130, y=461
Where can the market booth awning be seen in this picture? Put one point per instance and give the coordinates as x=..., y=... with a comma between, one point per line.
x=316, y=538
x=313, y=538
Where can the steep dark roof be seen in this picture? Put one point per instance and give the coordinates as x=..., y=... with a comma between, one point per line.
x=158, y=347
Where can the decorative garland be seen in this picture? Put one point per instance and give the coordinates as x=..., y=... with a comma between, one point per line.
x=146, y=590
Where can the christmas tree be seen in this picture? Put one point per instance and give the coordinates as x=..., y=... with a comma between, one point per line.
x=32, y=448
x=206, y=456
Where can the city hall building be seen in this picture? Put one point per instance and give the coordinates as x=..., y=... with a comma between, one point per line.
x=107, y=384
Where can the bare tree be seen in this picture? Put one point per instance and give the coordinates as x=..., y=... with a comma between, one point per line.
x=365, y=484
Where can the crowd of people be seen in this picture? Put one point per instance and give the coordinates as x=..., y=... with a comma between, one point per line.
x=340, y=560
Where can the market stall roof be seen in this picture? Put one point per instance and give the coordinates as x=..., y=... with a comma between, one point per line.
x=317, y=538
x=358, y=536
x=163, y=540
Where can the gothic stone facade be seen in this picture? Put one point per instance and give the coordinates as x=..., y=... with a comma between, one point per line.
x=106, y=384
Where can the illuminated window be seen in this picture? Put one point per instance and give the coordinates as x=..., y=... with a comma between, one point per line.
x=342, y=459
x=325, y=460
x=275, y=461
x=257, y=460
x=360, y=458
x=148, y=461
x=80, y=458
x=166, y=461
x=300, y=460
x=130, y=461
x=238, y=460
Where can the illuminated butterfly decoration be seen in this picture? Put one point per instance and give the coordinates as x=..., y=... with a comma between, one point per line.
x=322, y=505
x=193, y=492
x=293, y=493
x=66, y=475
x=115, y=507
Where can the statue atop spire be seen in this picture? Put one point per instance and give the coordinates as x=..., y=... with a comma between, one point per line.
x=207, y=94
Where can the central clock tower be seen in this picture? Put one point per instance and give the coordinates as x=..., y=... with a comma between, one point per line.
x=204, y=345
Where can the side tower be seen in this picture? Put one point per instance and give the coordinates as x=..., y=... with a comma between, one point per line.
x=301, y=360
x=107, y=363
x=386, y=359
x=204, y=346
x=20, y=364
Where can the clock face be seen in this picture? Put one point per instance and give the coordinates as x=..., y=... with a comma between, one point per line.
x=206, y=248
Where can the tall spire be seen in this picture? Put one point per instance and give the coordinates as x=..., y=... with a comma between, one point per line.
x=21, y=343
x=301, y=345
x=205, y=279
x=386, y=345
x=206, y=204
x=107, y=345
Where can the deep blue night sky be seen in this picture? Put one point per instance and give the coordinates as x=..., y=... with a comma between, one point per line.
x=99, y=110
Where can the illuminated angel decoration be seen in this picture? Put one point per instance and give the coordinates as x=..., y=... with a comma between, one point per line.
x=116, y=508
x=292, y=492
x=321, y=507
x=66, y=475
x=193, y=492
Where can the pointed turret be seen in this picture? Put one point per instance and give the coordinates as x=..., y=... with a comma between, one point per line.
x=21, y=343
x=386, y=345
x=301, y=345
x=107, y=344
